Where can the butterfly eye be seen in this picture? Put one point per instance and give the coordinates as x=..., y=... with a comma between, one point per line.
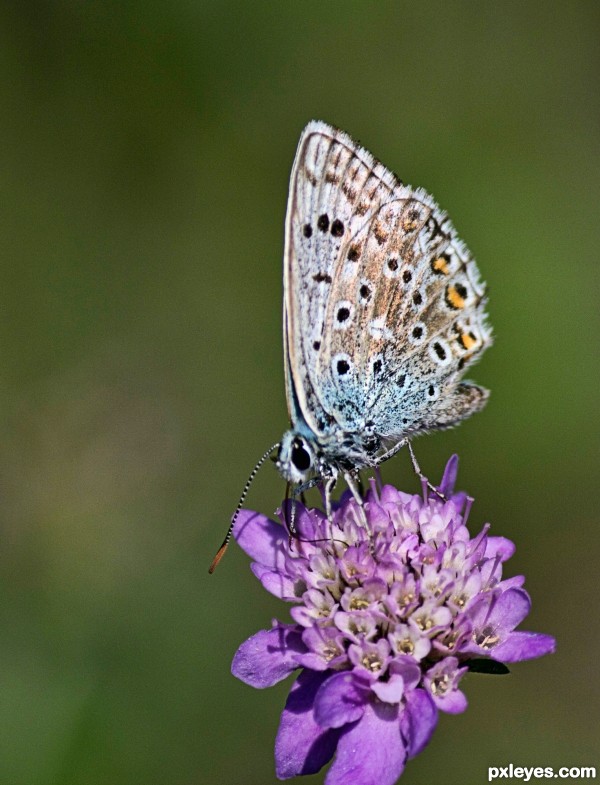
x=300, y=456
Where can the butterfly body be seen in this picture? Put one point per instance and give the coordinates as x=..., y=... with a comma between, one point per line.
x=383, y=312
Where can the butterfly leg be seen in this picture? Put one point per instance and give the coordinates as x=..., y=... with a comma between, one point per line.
x=420, y=475
x=391, y=452
x=355, y=489
x=360, y=484
x=289, y=515
x=329, y=486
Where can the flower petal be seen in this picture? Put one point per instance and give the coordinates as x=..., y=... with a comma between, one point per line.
x=419, y=719
x=269, y=656
x=407, y=668
x=302, y=746
x=390, y=691
x=516, y=582
x=313, y=662
x=262, y=539
x=306, y=525
x=453, y=702
x=441, y=680
x=499, y=546
x=446, y=487
x=341, y=700
x=524, y=646
x=510, y=609
x=279, y=584
x=500, y=612
x=371, y=752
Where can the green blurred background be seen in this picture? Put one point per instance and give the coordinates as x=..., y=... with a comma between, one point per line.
x=145, y=156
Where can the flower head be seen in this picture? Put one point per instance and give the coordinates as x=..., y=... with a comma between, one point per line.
x=391, y=605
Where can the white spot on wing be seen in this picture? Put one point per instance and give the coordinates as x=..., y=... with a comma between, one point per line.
x=378, y=329
x=443, y=355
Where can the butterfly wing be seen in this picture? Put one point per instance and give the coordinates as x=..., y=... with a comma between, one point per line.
x=421, y=318
x=329, y=170
x=383, y=307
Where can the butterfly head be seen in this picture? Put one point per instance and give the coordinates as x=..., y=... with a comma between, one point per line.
x=296, y=459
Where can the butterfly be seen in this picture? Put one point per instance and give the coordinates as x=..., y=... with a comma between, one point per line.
x=383, y=313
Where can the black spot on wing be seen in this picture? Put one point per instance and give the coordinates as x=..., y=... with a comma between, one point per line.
x=323, y=222
x=337, y=228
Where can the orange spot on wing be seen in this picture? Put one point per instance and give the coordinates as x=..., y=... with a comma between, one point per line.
x=440, y=265
x=468, y=340
x=454, y=298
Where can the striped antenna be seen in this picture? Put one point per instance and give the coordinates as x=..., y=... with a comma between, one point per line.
x=221, y=552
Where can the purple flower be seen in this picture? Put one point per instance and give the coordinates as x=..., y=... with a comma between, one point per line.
x=387, y=618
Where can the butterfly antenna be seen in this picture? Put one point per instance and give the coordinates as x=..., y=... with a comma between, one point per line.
x=221, y=552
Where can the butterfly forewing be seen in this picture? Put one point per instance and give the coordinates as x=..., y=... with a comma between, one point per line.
x=333, y=193
x=383, y=308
